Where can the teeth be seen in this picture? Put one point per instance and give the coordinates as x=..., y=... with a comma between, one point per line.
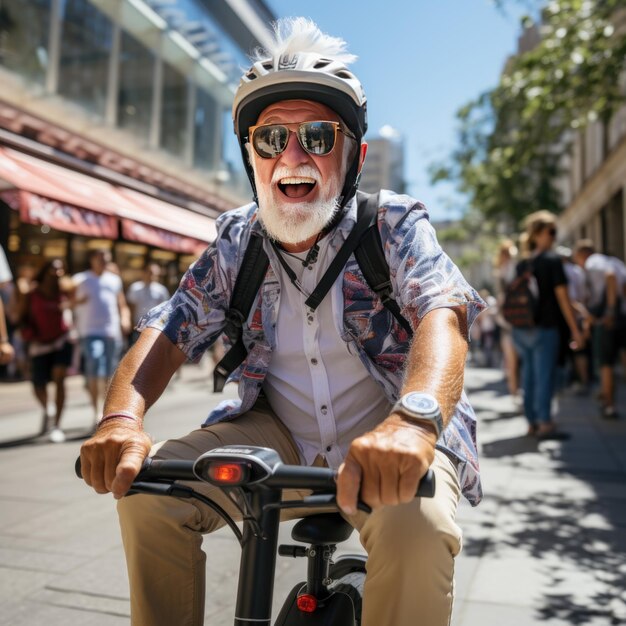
x=296, y=180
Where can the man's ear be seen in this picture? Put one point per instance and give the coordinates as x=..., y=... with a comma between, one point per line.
x=362, y=153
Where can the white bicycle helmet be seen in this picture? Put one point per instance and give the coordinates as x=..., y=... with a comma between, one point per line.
x=301, y=76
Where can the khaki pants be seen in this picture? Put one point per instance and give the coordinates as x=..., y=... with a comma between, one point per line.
x=411, y=547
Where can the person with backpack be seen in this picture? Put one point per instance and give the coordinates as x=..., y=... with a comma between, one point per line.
x=537, y=305
x=331, y=370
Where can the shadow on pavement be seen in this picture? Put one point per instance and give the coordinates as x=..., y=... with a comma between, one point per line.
x=509, y=447
x=566, y=537
x=72, y=434
x=569, y=519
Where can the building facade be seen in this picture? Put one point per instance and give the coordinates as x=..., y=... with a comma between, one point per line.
x=384, y=164
x=593, y=183
x=115, y=126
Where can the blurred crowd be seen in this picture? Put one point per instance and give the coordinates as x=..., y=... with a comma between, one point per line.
x=53, y=325
x=578, y=336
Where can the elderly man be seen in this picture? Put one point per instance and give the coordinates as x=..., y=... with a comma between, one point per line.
x=329, y=385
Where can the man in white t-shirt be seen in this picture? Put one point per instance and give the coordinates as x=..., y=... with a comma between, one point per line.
x=102, y=318
x=144, y=295
x=603, y=303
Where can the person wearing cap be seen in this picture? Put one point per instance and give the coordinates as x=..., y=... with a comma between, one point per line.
x=330, y=386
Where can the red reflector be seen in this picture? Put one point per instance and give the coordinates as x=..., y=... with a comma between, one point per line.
x=306, y=603
x=227, y=473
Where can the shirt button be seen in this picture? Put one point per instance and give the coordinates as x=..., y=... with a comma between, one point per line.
x=309, y=319
x=314, y=361
x=324, y=409
x=329, y=448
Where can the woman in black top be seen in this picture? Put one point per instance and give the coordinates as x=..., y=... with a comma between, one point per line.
x=538, y=347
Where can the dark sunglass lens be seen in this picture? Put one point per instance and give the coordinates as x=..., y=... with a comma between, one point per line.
x=317, y=137
x=269, y=141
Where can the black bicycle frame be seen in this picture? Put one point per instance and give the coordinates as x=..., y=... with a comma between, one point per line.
x=260, y=485
x=258, y=559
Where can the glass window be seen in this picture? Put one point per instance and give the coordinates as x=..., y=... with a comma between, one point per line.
x=206, y=131
x=24, y=32
x=174, y=111
x=135, y=93
x=85, y=48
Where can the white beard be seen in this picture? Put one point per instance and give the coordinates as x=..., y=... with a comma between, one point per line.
x=294, y=223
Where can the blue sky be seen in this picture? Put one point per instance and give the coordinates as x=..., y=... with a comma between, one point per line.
x=419, y=61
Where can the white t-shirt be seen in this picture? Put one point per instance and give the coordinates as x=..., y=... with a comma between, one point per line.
x=316, y=384
x=99, y=315
x=144, y=297
x=576, y=287
x=598, y=267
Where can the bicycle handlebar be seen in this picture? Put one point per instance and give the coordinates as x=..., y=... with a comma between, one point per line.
x=320, y=479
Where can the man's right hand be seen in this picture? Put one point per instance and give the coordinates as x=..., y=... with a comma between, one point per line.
x=112, y=458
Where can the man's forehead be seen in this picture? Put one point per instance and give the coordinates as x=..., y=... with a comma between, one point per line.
x=287, y=109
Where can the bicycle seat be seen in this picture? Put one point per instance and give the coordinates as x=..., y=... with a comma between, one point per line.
x=322, y=529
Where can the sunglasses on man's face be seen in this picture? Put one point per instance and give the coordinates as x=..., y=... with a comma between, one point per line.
x=317, y=138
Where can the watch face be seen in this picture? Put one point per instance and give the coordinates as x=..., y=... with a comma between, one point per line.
x=422, y=403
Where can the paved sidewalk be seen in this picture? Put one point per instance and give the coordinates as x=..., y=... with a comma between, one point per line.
x=548, y=543
x=546, y=546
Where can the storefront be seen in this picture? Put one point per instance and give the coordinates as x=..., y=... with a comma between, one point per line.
x=55, y=212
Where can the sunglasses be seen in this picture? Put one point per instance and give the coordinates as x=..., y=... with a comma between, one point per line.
x=317, y=138
x=552, y=232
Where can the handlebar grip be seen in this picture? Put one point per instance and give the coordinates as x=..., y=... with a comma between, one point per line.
x=79, y=472
x=426, y=488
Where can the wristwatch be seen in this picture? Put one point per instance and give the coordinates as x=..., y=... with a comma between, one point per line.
x=420, y=407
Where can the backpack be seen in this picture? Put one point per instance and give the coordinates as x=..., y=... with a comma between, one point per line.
x=364, y=241
x=521, y=299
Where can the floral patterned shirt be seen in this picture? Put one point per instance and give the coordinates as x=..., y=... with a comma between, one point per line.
x=423, y=277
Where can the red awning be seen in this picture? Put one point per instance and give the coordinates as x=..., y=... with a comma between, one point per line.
x=74, y=202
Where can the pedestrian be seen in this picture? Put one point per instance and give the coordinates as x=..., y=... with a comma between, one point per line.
x=538, y=346
x=102, y=320
x=578, y=360
x=6, y=348
x=504, y=274
x=609, y=324
x=45, y=326
x=144, y=295
x=489, y=332
x=333, y=385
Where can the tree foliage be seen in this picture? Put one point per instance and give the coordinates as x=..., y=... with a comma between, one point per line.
x=511, y=139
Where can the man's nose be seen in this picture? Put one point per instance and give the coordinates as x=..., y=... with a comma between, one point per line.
x=294, y=153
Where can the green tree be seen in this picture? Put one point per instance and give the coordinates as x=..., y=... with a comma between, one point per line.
x=511, y=139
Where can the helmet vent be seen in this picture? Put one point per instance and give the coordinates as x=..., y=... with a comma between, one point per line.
x=322, y=63
x=268, y=65
x=251, y=75
x=344, y=74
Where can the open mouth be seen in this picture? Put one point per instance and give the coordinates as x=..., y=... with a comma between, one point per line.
x=296, y=186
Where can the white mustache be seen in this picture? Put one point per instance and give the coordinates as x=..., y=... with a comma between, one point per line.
x=304, y=171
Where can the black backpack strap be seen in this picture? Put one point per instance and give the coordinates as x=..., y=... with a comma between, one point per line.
x=341, y=258
x=249, y=279
x=371, y=259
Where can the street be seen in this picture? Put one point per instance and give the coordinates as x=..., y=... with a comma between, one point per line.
x=546, y=546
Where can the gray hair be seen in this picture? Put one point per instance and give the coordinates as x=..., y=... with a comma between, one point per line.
x=294, y=35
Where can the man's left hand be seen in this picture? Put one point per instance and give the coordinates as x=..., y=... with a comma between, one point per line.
x=386, y=464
